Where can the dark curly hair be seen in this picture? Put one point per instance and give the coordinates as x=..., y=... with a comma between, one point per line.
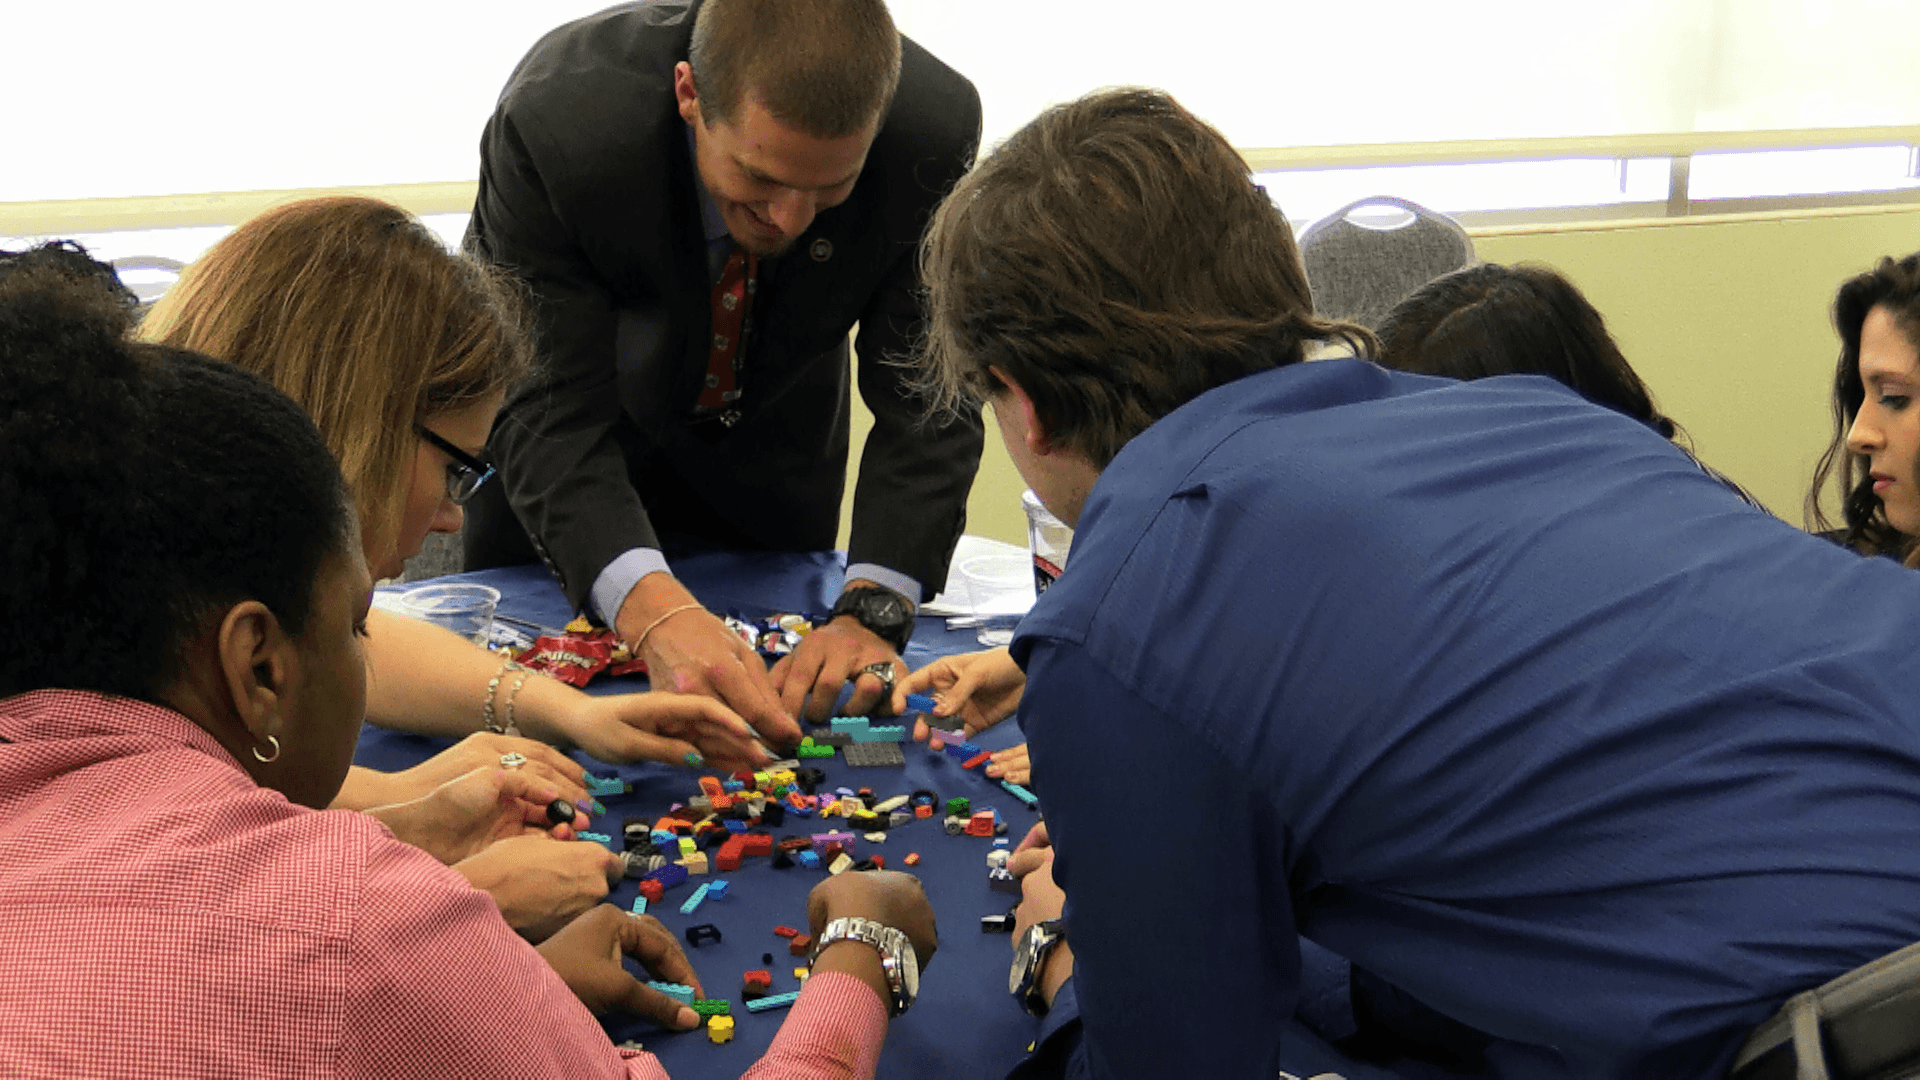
x=1896, y=285
x=145, y=490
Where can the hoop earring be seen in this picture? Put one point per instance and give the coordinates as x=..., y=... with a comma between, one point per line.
x=262, y=758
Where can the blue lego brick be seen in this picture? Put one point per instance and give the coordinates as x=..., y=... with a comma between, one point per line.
x=920, y=703
x=736, y=826
x=693, y=902
x=731, y=786
x=807, y=859
x=777, y=1001
x=717, y=889
x=598, y=838
x=679, y=993
x=662, y=838
x=1021, y=793
x=962, y=750
x=669, y=875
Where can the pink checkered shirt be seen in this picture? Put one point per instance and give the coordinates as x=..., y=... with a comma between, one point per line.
x=161, y=915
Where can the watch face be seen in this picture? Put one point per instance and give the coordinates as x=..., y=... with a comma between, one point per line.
x=1022, y=969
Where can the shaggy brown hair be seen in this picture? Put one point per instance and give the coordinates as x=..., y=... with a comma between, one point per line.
x=1116, y=260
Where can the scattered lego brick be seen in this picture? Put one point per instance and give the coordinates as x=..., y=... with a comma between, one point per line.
x=727, y=860
x=961, y=750
x=888, y=806
x=717, y=890
x=773, y=814
x=1026, y=797
x=977, y=760
x=955, y=825
x=598, y=838
x=720, y=1029
x=840, y=865
x=923, y=811
x=802, y=974
x=777, y=1001
x=795, y=843
x=756, y=844
x=873, y=755
x=960, y=806
x=639, y=905
x=761, y=979
x=912, y=859
x=710, y=786
x=981, y=824
x=704, y=932
x=668, y=876
x=782, y=861
x=807, y=859
x=897, y=819
x=879, y=863
x=801, y=945
x=695, y=863
x=651, y=890
x=693, y=902
x=1000, y=880
x=997, y=924
x=713, y=1007
x=787, y=932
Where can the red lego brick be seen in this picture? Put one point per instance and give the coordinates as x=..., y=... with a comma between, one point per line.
x=756, y=844
x=980, y=824
x=710, y=787
x=801, y=945
x=652, y=890
x=977, y=760
x=879, y=861
x=762, y=979
x=912, y=859
x=728, y=858
x=786, y=932
x=923, y=811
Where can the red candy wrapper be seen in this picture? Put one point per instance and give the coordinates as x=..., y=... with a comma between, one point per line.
x=573, y=659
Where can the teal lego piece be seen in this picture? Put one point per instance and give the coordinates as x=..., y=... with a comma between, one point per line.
x=679, y=993
x=1021, y=793
x=598, y=838
x=694, y=901
x=777, y=1001
x=639, y=905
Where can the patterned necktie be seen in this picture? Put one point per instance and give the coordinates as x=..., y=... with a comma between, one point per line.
x=732, y=296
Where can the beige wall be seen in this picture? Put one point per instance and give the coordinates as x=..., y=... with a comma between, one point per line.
x=1726, y=319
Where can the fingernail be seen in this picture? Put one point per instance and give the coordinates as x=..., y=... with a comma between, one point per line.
x=993, y=770
x=586, y=805
x=598, y=809
x=694, y=761
x=688, y=1018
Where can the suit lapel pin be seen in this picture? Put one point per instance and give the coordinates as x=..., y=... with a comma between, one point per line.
x=822, y=250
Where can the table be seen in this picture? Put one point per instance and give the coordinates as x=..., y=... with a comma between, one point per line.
x=964, y=1025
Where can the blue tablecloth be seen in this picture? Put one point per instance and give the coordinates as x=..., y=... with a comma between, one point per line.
x=965, y=1025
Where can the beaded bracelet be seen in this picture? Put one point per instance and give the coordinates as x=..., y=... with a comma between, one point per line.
x=513, y=727
x=487, y=717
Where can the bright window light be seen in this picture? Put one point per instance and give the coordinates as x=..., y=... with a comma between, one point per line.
x=1309, y=195
x=1764, y=174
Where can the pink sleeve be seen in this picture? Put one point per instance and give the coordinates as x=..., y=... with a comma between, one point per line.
x=438, y=984
x=834, y=1031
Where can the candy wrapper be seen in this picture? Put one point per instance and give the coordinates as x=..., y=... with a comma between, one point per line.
x=573, y=659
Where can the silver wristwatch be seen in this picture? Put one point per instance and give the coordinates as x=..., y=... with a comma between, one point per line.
x=1023, y=981
x=897, y=957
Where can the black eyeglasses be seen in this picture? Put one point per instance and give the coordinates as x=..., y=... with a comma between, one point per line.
x=465, y=473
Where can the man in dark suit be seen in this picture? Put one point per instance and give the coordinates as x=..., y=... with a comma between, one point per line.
x=704, y=199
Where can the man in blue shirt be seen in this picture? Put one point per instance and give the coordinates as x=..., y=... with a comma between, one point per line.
x=1483, y=688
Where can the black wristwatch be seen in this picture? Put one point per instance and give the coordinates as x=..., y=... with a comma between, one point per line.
x=1028, y=955
x=880, y=610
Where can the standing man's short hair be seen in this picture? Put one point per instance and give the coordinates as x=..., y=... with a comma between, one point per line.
x=1115, y=258
x=827, y=68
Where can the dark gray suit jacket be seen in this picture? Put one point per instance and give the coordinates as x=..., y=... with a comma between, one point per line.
x=587, y=194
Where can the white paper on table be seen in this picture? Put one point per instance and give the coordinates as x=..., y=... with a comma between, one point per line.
x=954, y=598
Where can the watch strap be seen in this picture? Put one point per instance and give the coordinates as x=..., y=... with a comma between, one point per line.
x=894, y=948
x=856, y=601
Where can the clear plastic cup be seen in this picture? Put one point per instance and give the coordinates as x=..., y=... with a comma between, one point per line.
x=997, y=593
x=1049, y=539
x=466, y=610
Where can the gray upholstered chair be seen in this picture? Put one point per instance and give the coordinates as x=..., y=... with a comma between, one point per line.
x=1367, y=256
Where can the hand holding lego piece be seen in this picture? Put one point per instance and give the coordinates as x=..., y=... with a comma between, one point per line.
x=466, y=814
x=586, y=955
x=980, y=689
x=541, y=884
x=689, y=730
x=809, y=679
x=688, y=650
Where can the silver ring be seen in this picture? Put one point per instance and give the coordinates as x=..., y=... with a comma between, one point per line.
x=513, y=760
x=882, y=671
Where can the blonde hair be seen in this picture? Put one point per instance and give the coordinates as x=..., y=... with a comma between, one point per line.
x=361, y=315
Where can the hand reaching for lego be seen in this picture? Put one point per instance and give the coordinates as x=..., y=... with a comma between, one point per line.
x=469, y=812
x=541, y=884
x=586, y=955
x=980, y=689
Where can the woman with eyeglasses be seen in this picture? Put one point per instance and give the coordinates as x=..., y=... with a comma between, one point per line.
x=402, y=352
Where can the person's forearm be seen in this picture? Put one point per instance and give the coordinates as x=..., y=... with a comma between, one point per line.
x=428, y=680
x=833, y=1031
x=364, y=789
